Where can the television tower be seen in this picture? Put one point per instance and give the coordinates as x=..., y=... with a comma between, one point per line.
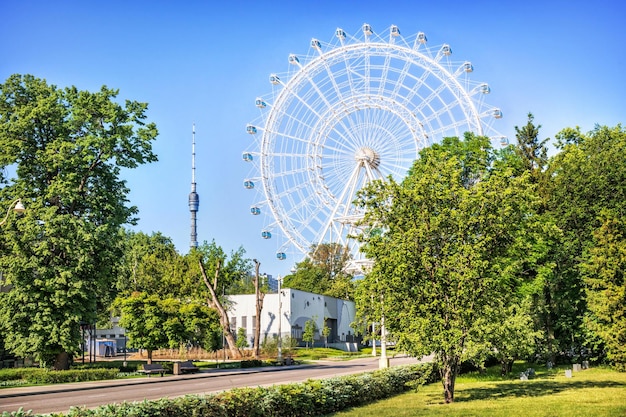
x=194, y=198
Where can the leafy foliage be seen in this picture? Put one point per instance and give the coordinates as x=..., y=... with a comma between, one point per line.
x=587, y=187
x=310, y=398
x=442, y=265
x=322, y=272
x=603, y=272
x=152, y=323
x=67, y=147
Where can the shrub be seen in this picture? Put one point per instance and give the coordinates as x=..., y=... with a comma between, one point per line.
x=252, y=363
x=310, y=398
x=46, y=376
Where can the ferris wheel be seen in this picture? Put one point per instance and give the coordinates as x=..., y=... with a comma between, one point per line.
x=352, y=110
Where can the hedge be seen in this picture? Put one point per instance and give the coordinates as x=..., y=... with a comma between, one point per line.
x=46, y=376
x=310, y=398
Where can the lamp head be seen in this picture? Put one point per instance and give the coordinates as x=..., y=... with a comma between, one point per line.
x=19, y=207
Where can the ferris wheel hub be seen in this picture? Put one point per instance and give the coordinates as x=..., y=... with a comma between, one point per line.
x=369, y=156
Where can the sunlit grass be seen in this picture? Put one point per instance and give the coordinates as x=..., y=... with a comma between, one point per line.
x=593, y=392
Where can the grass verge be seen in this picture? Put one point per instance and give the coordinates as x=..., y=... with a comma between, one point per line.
x=593, y=392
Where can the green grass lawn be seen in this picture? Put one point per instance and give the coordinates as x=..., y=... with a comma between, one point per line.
x=594, y=392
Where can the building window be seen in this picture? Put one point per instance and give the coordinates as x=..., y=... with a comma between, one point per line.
x=296, y=332
x=244, y=322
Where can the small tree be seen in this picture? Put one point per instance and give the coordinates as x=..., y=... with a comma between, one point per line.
x=325, y=333
x=144, y=320
x=309, y=332
x=242, y=338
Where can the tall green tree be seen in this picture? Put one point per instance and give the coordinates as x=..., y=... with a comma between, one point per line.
x=67, y=148
x=587, y=177
x=532, y=151
x=603, y=272
x=442, y=263
x=538, y=254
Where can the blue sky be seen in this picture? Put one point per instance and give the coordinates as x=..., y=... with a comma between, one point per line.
x=206, y=62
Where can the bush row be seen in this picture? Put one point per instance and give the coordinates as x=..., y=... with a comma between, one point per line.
x=310, y=398
x=46, y=376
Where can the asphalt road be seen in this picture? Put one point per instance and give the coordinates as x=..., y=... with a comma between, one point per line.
x=59, y=398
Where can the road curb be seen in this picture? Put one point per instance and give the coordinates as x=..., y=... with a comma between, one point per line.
x=89, y=385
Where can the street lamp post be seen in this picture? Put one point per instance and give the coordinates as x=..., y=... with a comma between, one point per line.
x=17, y=206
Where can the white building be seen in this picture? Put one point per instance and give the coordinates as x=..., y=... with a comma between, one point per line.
x=296, y=308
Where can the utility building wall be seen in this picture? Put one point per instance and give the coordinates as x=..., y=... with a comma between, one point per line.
x=296, y=309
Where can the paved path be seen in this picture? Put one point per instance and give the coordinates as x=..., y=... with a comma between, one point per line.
x=60, y=397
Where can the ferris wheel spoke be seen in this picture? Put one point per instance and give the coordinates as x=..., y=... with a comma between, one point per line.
x=350, y=185
x=356, y=109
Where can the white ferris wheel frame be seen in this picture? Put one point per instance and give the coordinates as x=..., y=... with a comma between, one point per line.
x=337, y=95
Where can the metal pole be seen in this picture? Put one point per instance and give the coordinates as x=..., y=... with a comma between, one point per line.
x=280, y=319
x=383, y=361
x=373, y=338
x=223, y=335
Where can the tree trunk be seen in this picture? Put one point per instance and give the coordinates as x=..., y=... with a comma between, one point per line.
x=259, y=307
x=448, y=372
x=214, y=302
x=62, y=361
x=149, y=361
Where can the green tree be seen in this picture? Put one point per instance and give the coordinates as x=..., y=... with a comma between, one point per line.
x=67, y=148
x=308, y=335
x=242, y=338
x=603, y=271
x=152, y=322
x=325, y=333
x=532, y=152
x=323, y=272
x=150, y=263
x=202, y=326
x=144, y=319
x=586, y=178
x=442, y=261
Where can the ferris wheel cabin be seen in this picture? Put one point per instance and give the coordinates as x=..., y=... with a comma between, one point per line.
x=247, y=156
x=340, y=34
x=281, y=256
x=293, y=59
x=367, y=30
x=248, y=184
x=316, y=44
x=274, y=79
x=497, y=113
x=255, y=211
x=266, y=235
x=421, y=38
x=260, y=103
x=395, y=31
x=251, y=129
